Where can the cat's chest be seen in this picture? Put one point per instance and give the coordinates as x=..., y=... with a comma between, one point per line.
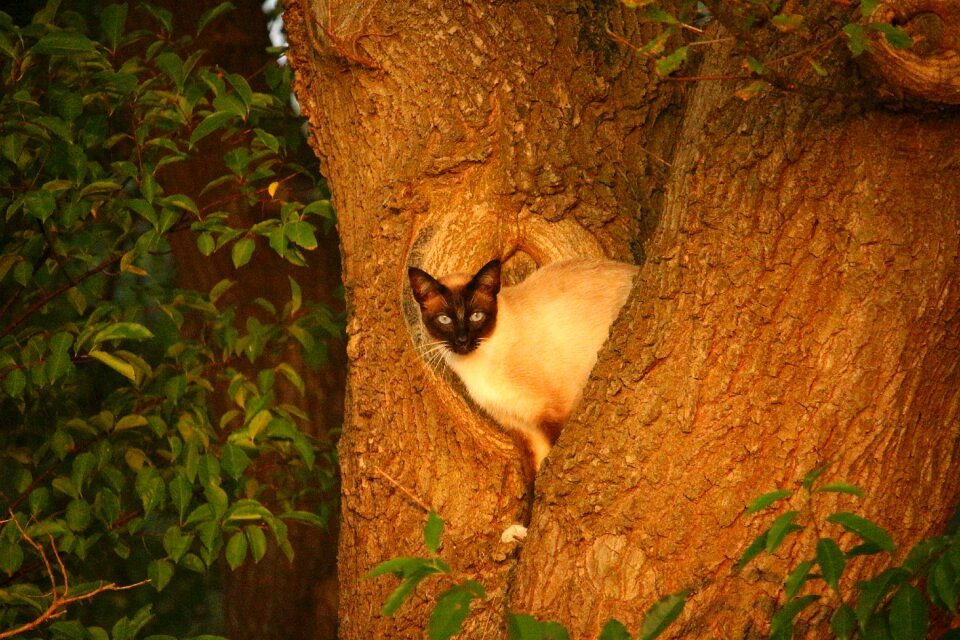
x=490, y=381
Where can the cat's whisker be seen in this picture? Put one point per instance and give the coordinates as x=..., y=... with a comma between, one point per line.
x=432, y=353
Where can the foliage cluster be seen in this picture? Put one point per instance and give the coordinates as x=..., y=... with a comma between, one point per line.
x=892, y=605
x=141, y=422
x=787, y=45
x=453, y=605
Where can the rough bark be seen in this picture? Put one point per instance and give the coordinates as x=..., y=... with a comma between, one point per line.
x=798, y=305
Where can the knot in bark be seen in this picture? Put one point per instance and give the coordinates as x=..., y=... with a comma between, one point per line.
x=930, y=68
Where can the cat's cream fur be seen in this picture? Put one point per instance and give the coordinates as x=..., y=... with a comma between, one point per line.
x=529, y=373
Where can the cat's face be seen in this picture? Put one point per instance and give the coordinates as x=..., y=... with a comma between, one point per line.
x=460, y=311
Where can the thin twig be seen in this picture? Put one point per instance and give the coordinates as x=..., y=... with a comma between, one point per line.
x=50, y=296
x=420, y=503
x=59, y=601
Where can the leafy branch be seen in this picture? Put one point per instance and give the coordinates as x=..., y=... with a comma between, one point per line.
x=452, y=607
x=60, y=597
x=889, y=604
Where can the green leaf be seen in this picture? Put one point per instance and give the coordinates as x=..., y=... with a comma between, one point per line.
x=175, y=543
x=759, y=544
x=214, y=121
x=526, y=627
x=783, y=619
x=301, y=234
x=788, y=22
x=292, y=377
x=268, y=140
x=120, y=366
x=767, y=499
x=107, y=506
x=657, y=14
x=205, y=243
x=234, y=460
x=83, y=464
x=661, y=614
x=782, y=526
x=242, y=87
x=909, y=619
x=432, y=531
x=670, y=63
x=160, y=572
x=400, y=567
x=257, y=540
x=812, y=476
x=242, y=251
x=230, y=103
x=66, y=43
x=151, y=489
x=923, y=552
x=867, y=7
x=856, y=38
x=319, y=208
x=752, y=90
x=756, y=66
x=614, y=630
x=11, y=557
x=217, y=498
x=452, y=608
x=14, y=383
x=841, y=487
x=59, y=362
x=123, y=331
x=401, y=593
x=867, y=530
x=895, y=36
x=872, y=592
x=64, y=485
x=40, y=204
x=164, y=17
x=181, y=493
x=210, y=15
x=236, y=550
x=831, y=561
x=797, y=578
x=305, y=517
x=181, y=201
x=113, y=18
x=865, y=549
x=844, y=622
x=943, y=584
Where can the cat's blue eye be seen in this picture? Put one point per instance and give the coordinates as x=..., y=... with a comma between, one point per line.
x=477, y=316
x=444, y=319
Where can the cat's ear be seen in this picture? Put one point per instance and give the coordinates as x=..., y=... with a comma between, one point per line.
x=423, y=284
x=487, y=280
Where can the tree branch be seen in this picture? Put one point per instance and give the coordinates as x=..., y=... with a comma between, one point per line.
x=59, y=600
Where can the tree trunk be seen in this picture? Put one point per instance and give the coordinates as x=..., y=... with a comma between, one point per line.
x=797, y=306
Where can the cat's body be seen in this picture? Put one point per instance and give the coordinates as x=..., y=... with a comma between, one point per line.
x=527, y=359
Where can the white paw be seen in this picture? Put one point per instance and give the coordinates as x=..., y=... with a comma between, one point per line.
x=513, y=533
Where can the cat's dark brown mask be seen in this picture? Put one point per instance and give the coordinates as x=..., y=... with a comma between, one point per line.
x=460, y=312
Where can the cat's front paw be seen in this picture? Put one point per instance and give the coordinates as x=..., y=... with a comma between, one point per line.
x=513, y=533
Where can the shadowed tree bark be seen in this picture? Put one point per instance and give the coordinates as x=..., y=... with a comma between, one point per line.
x=797, y=304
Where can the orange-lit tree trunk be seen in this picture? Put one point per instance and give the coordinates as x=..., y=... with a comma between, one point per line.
x=797, y=306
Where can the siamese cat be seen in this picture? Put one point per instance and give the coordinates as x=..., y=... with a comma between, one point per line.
x=525, y=352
